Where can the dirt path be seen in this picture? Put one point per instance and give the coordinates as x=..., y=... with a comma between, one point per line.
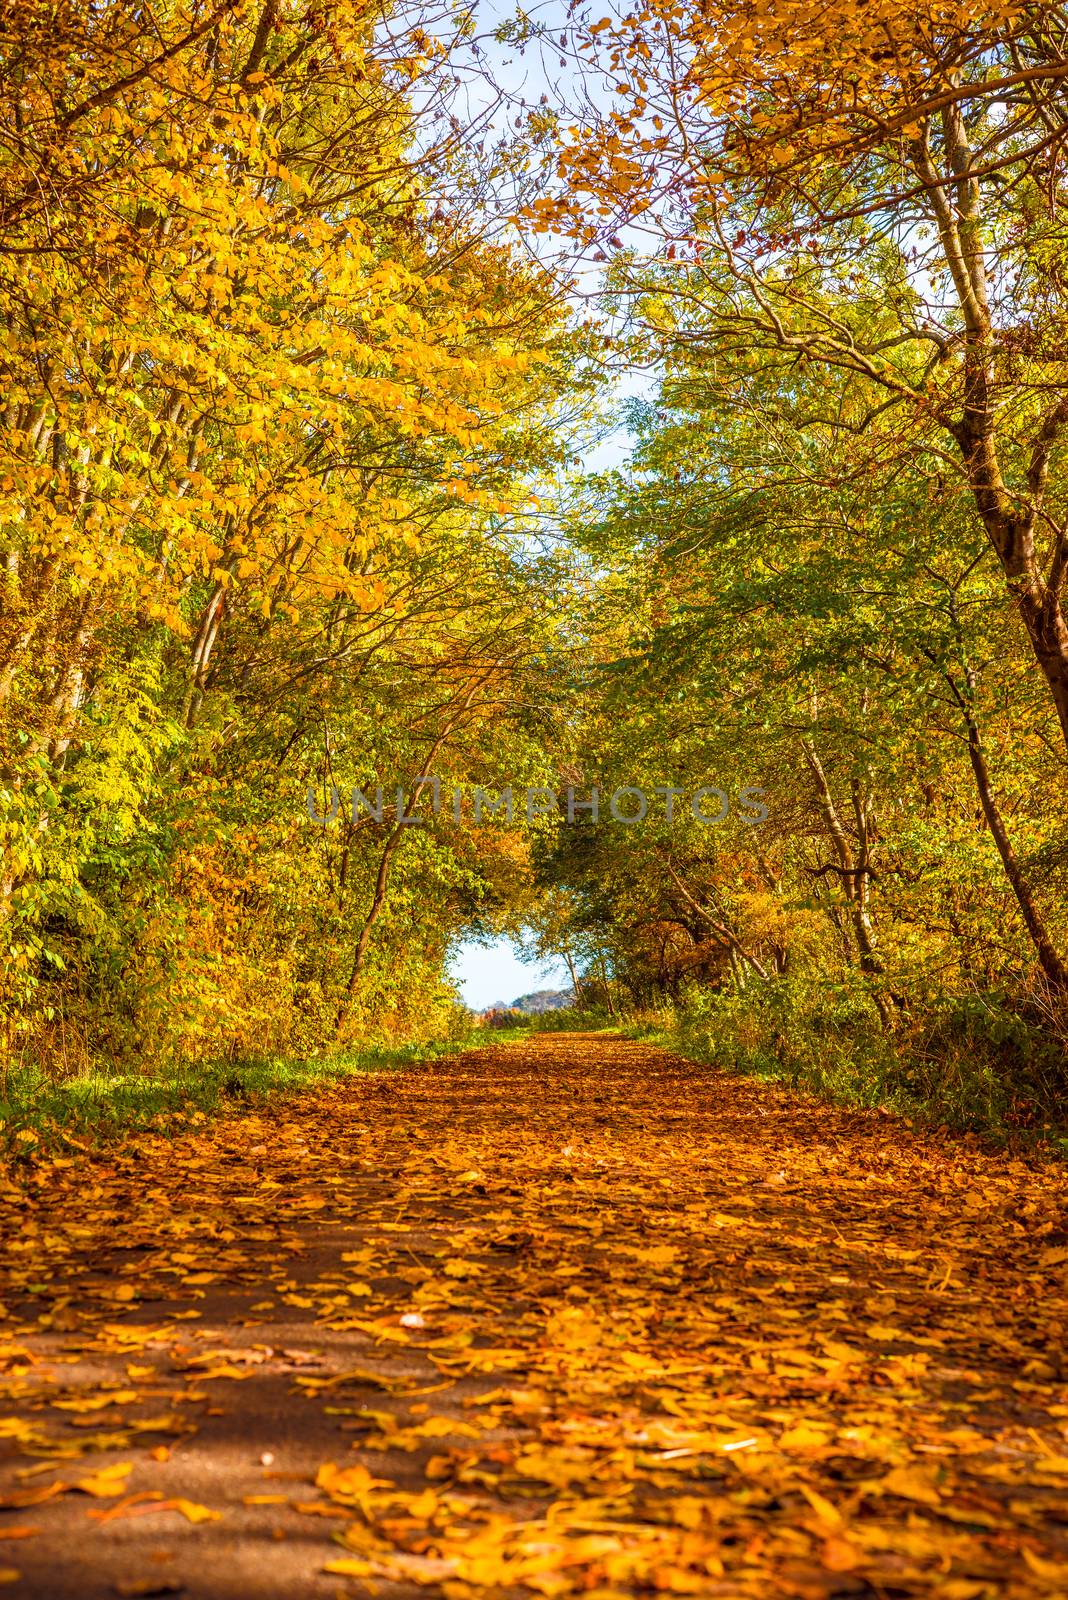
x=569, y=1316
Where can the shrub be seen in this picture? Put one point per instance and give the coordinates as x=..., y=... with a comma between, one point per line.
x=972, y=1061
x=573, y=1019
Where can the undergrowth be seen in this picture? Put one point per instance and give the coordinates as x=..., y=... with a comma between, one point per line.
x=976, y=1062
x=981, y=1063
x=574, y=1019
x=40, y=1111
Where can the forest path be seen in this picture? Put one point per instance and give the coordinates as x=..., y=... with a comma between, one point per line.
x=566, y=1316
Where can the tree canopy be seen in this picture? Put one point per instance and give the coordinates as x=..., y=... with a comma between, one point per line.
x=304, y=360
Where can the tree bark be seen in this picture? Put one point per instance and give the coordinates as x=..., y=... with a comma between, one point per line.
x=1009, y=519
x=1049, y=959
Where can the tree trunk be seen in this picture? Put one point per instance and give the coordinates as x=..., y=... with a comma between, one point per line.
x=1036, y=585
x=576, y=984
x=855, y=875
x=388, y=849
x=377, y=902
x=1048, y=958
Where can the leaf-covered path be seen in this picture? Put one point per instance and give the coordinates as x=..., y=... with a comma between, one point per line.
x=567, y=1316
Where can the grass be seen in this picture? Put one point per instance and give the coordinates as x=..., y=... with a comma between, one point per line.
x=970, y=1066
x=39, y=1113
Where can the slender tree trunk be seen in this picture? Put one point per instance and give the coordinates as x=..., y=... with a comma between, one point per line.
x=388, y=850
x=721, y=929
x=607, y=988
x=1048, y=958
x=576, y=984
x=855, y=873
x=377, y=902
x=203, y=645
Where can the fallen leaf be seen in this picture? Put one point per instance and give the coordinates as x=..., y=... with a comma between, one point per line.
x=192, y=1512
x=108, y=1481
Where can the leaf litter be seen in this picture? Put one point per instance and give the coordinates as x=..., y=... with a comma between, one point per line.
x=559, y=1352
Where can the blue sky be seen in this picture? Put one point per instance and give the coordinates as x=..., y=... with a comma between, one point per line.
x=487, y=973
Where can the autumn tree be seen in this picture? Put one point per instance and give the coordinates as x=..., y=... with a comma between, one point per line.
x=813, y=610
x=795, y=147
x=255, y=360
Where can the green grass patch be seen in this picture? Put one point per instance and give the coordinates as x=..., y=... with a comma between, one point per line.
x=42, y=1113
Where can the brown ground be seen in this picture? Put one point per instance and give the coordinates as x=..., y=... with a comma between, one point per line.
x=567, y=1316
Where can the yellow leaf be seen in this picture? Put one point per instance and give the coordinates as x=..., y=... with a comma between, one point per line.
x=194, y=1513
x=838, y=1555
x=346, y=1482
x=657, y=1255
x=107, y=1482
x=909, y=1483
x=827, y=1513
x=843, y=1352
x=1055, y=1572
x=423, y=1505
x=804, y=1436
x=97, y=1402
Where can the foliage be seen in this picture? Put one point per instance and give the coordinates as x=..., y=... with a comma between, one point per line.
x=276, y=404
x=574, y=1019
x=971, y=1062
x=796, y=599
x=290, y=510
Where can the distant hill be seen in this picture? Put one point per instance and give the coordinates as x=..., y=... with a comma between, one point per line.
x=540, y=1000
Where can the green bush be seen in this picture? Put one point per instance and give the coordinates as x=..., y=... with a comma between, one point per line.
x=574, y=1019
x=972, y=1061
